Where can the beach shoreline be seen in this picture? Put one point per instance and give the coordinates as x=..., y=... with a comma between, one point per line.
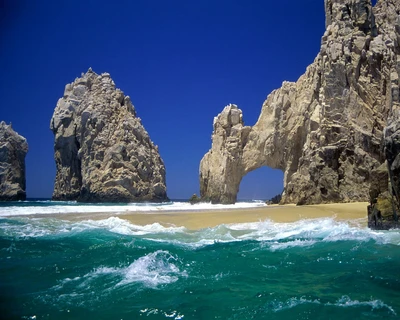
x=200, y=219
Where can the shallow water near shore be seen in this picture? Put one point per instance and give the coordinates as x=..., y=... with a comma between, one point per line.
x=44, y=206
x=114, y=269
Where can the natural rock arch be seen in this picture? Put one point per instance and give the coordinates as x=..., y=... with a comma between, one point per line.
x=326, y=130
x=236, y=151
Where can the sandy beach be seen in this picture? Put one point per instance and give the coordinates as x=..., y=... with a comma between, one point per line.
x=194, y=219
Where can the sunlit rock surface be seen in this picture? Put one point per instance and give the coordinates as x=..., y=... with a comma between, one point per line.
x=13, y=150
x=102, y=151
x=325, y=132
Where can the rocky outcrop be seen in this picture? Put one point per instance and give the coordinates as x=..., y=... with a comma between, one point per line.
x=102, y=151
x=274, y=200
x=13, y=149
x=384, y=209
x=194, y=199
x=392, y=153
x=325, y=132
x=221, y=169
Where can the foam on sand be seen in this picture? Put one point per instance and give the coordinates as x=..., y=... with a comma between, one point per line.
x=58, y=207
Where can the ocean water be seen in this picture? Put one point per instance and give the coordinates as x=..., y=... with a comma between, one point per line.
x=113, y=269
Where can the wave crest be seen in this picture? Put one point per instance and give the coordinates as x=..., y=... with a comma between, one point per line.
x=277, y=236
x=343, y=302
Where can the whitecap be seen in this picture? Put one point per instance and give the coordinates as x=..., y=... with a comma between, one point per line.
x=343, y=302
x=313, y=230
x=122, y=226
x=303, y=233
x=171, y=314
x=277, y=306
x=346, y=302
x=290, y=244
x=33, y=228
x=39, y=227
x=154, y=269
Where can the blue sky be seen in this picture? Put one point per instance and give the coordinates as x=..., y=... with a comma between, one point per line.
x=180, y=62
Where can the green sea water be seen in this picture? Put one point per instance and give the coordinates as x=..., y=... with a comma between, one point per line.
x=112, y=269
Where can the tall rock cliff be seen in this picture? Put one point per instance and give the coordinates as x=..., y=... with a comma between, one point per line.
x=13, y=149
x=325, y=132
x=102, y=151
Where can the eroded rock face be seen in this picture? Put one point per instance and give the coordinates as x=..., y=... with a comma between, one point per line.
x=221, y=169
x=384, y=210
x=325, y=131
x=102, y=151
x=13, y=149
x=392, y=152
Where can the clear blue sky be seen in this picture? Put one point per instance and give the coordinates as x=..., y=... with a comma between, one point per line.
x=180, y=61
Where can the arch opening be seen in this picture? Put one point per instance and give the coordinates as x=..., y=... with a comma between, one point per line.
x=262, y=183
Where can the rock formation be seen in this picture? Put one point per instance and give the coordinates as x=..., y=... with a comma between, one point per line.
x=13, y=149
x=325, y=132
x=384, y=210
x=102, y=151
x=392, y=153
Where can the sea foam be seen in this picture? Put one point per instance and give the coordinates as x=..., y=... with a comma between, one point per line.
x=278, y=236
x=321, y=229
x=45, y=207
x=343, y=302
x=346, y=302
x=154, y=269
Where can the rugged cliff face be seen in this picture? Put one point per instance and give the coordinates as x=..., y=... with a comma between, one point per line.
x=325, y=132
x=13, y=149
x=102, y=151
x=392, y=152
x=221, y=169
x=384, y=210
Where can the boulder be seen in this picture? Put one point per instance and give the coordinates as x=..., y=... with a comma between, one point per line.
x=194, y=199
x=274, y=200
x=13, y=149
x=101, y=149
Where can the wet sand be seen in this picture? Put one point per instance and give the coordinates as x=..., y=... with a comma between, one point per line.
x=211, y=218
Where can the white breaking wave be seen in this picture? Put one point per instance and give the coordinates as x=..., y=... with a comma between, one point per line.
x=322, y=229
x=276, y=236
x=121, y=226
x=279, y=236
x=277, y=306
x=151, y=270
x=48, y=227
x=72, y=207
x=345, y=301
x=155, y=311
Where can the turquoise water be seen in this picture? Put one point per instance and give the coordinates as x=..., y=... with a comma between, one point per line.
x=112, y=269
